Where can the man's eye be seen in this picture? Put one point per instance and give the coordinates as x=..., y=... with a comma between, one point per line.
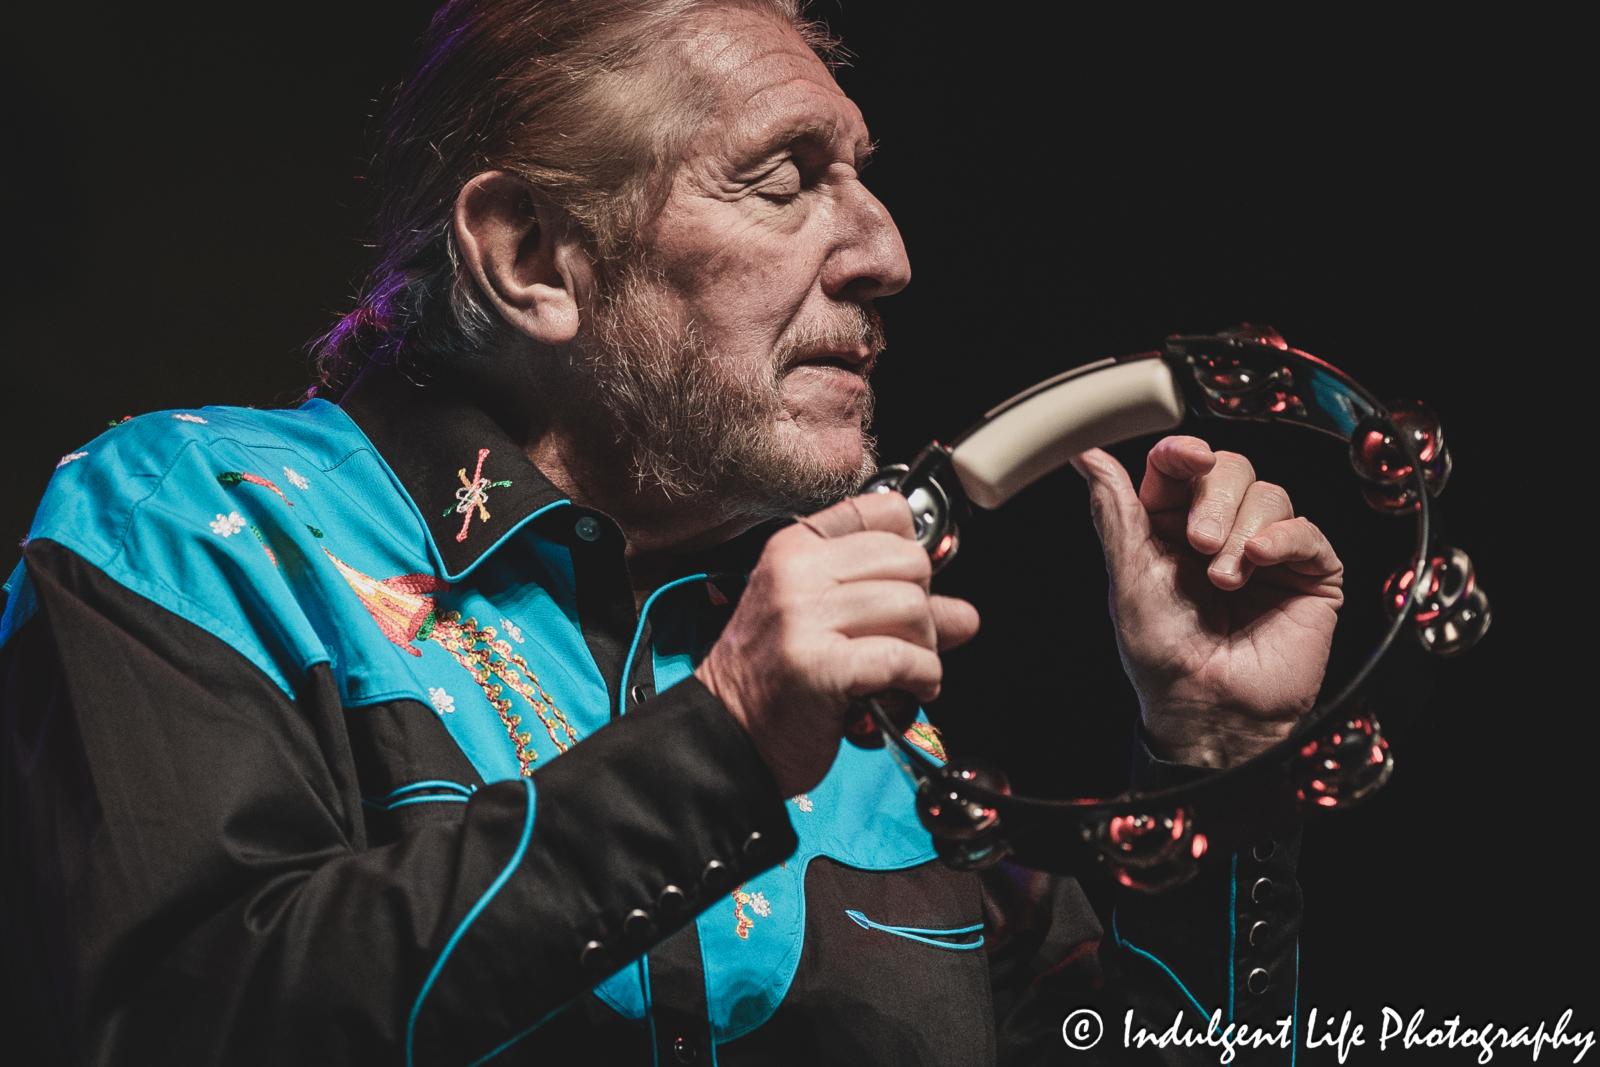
x=781, y=182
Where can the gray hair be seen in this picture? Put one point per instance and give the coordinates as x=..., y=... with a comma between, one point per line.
x=536, y=88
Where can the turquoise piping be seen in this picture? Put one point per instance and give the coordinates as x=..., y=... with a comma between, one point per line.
x=453, y=792
x=1233, y=926
x=486, y=553
x=638, y=632
x=1141, y=952
x=447, y=798
x=1294, y=1015
x=913, y=933
x=434, y=783
x=477, y=909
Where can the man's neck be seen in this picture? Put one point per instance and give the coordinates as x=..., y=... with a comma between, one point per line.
x=659, y=529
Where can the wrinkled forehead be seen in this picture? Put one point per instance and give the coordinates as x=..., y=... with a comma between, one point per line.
x=764, y=87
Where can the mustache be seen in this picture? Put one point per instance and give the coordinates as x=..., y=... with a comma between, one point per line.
x=855, y=327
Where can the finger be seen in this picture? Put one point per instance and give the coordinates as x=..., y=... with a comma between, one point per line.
x=875, y=511
x=1263, y=505
x=1119, y=518
x=883, y=609
x=1170, y=470
x=874, y=664
x=955, y=621
x=1218, y=500
x=1300, y=546
x=874, y=554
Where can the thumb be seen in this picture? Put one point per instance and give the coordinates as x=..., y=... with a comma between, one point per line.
x=1119, y=517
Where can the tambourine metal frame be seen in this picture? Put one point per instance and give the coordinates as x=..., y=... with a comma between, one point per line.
x=1334, y=755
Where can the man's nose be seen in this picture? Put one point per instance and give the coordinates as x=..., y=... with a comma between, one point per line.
x=868, y=259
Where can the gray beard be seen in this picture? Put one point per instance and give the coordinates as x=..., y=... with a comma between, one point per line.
x=698, y=425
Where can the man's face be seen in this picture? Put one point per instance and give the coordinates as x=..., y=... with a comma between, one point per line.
x=750, y=325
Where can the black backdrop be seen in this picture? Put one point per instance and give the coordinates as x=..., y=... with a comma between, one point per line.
x=182, y=210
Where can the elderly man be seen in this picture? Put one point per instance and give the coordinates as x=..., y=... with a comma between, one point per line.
x=483, y=714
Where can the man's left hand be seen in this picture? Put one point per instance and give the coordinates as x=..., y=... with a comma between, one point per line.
x=1224, y=602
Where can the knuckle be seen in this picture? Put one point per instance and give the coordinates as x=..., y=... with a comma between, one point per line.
x=1236, y=464
x=1273, y=496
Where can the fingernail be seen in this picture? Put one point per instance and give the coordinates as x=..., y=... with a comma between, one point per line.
x=1262, y=544
x=1208, y=529
x=1225, y=566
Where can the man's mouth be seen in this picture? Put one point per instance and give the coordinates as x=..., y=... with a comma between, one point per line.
x=849, y=344
x=854, y=362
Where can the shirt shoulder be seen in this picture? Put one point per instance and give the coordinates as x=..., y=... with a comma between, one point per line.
x=221, y=515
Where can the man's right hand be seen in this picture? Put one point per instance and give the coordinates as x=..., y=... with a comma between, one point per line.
x=837, y=607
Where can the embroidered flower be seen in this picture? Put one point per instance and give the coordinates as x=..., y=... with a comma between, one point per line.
x=295, y=479
x=803, y=802
x=189, y=418
x=512, y=630
x=759, y=904
x=69, y=458
x=227, y=525
x=443, y=703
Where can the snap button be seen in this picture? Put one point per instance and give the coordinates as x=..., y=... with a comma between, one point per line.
x=638, y=924
x=1258, y=933
x=593, y=957
x=671, y=900
x=1261, y=892
x=755, y=844
x=685, y=1050
x=638, y=694
x=1258, y=981
x=587, y=528
x=716, y=875
x=1263, y=853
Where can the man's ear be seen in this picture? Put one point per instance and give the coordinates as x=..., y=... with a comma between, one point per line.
x=525, y=255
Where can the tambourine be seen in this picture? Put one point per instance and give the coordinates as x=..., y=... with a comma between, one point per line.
x=1334, y=756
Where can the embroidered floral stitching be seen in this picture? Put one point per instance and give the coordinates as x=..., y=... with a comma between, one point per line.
x=473, y=494
x=259, y=537
x=70, y=457
x=233, y=478
x=926, y=737
x=404, y=614
x=296, y=480
x=227, y=525
x=190, y=418
x=463, y=640
x=395, y=604
x=757, y=902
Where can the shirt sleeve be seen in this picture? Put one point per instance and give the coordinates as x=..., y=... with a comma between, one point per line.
x=187, y=877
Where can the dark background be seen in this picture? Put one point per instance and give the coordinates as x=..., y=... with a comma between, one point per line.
x=182, y=210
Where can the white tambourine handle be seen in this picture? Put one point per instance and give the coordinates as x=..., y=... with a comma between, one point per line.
x=1037, y=431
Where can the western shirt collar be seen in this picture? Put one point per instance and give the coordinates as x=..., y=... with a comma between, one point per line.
x=472, y=483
